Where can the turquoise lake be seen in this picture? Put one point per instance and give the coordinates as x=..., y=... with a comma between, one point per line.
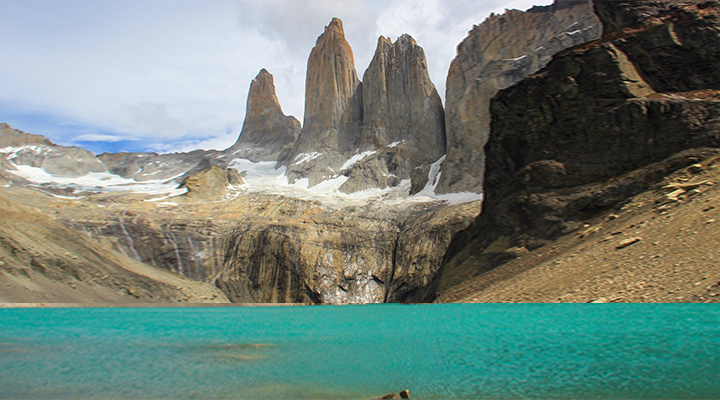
x=603, y=351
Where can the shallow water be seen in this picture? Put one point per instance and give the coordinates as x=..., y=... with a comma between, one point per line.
x=435, y=351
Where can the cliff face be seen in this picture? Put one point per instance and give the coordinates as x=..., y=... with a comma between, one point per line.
x=371, y=135
x=599, y=124
x=345, y=256
x=498, y=53
x=403, y=116
x=43, y=261
x=333, y=106
x=267, y=134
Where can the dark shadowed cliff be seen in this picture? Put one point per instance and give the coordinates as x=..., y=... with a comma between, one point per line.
x=601, y=123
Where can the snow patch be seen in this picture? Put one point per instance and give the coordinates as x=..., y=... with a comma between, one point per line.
x=434, y=178
x=393, y=144
x=96, y=181
x=355, y=159
x=305, y=157
x=13, y=151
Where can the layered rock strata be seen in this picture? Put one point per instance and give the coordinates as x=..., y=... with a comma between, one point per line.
x=599, y=124
x=267, y=133
x=43, y=261
x=498, y=53
x=343, y=256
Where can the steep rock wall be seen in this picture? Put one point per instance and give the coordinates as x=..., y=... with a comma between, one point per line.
x=599, y=124
x=498, y=53
x=403, y=116
x=333, y=108
x=346, y=256
x=369, y=135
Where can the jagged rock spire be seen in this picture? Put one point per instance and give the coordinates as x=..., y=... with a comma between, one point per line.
x=333, y=105
x=267, y=134
x=400, y=102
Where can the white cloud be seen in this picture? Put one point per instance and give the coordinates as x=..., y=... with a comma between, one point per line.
x=216, y=142
x=99, y=137
x=179, y=71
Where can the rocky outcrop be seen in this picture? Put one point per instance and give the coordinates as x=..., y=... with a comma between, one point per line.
x=42, y=261
x=333, y=108
x=403, y=117
x=599, y=124
x=498, y=53
x=20, y=148
x=267, y=134
x=210, y=179
x=152, y=166
x=345, y=256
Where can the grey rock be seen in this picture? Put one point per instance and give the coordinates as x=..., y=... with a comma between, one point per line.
x=498, y=53
x=333, y=108
x=39, y=152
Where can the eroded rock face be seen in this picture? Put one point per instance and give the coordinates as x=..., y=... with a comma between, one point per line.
x=498, y=53
x=333, y=107
x=20, y=148
x=403, y=116
x=267, y=134
x=599, y=124
x=341, y=256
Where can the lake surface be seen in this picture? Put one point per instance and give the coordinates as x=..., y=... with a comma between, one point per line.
x=598, y=351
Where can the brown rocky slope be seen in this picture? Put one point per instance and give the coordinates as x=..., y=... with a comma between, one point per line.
x=600, y=124
x=43, y=261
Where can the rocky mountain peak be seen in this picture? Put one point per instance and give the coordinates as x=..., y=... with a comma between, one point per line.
x=267, y=134
x=333, y=107
x=601, y=123
x=262, y=98
x=403, y=116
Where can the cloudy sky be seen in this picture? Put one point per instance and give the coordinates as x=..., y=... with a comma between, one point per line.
x=167, y=75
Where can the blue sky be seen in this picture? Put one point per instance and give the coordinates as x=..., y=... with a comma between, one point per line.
x=166, y=75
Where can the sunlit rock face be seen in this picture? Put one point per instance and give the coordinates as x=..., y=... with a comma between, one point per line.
x=333, y=109
x=267, y=134
x=403, y=117
x=498, y=53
